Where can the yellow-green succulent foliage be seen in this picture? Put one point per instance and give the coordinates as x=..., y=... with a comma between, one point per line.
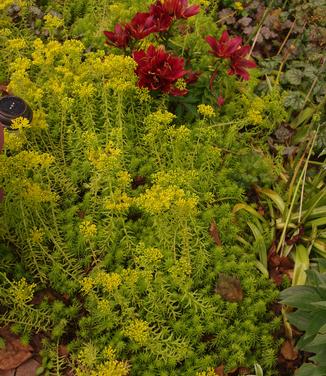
x=108, y=201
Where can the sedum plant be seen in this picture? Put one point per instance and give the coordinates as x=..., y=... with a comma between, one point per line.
x=109, y=197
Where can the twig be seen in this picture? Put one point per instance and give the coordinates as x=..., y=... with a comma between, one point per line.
x=286, y=38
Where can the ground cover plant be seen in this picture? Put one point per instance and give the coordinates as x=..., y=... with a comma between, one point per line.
x=122, y=253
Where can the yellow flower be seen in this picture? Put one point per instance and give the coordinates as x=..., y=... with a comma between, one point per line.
x=112, y=368
x=181, y=84
x=205, y=3
x=158, y=199
x=119, y=71
x=17, y=44
x=206, y=110
x=20, y=123
x=21, y=292
x=36, y=235
x=109, y=353
x=159, y=117
x=209, y=372
x=143, y=95
x=14, y=141
x=87, y=284
x=118, y=202
x=138, y=331
x=5, y=3
x=109, y=282
x=124, y=178
x=88, y=229
x=238, y=5
x=34, y=192
x=53, y=22
x=148, y=256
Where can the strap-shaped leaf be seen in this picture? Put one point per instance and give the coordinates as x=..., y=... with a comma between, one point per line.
x=275, y=197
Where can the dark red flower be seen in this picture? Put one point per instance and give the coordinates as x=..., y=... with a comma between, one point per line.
x=220, y=101
x=141, y=25
x=118, y=38
x=239, y=63
x=162, y=19
x=180, y=8
x=159, y=70
x=225, y=46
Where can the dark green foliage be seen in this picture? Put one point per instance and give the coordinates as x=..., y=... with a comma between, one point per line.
x=310, y=301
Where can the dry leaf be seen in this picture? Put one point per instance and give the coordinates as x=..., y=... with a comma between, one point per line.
x=229, y=288
x=214, y=233
x=28, y=368
x=288, y=350
x=220, y=370
x=14, y=353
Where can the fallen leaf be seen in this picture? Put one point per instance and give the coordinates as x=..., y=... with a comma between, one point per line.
x=214, y=233
x=137, y=181
x=219, y=370
x=288, y=350
x=278, y=266
x=28, y=368
x=229, y=288
x=15, y=353
x=10, y=372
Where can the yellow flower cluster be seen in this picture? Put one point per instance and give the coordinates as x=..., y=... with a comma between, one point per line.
x=5, y=4
x=179, y=134
x=20, y=123
x=119, y=71
x=14, y=141
x=179, y=177
x=36, y=235
x=87, y=285
x=205, y=3
x=109, y=352
x=158, y=199
x=88, y=229
x=181, y=269
x=34, y=192
x=209, y=372
x=181, y=84
x=33, y=159
x=106, y=159
x=103, y=307
x=85, y=90
x=143, y=95
x=149, y=256
x=112, y=368
x=124, y=179
x=20, y=64
x=206, y=110
x=238, y=5
x=21, y=292
x=255, y=111
x=53, y=22
x=159, y=117
x=109, y=281
x=130, y=276
x=17, y=44
x=118, y=202
x=59, y=55
x=138, y=331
